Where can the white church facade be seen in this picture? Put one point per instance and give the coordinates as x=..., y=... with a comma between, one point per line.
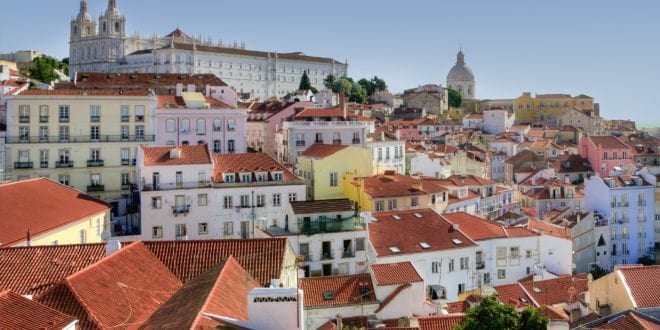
x=105, y=47
x=461, y=79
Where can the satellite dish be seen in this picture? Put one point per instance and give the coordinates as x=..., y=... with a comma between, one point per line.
x=105, y=235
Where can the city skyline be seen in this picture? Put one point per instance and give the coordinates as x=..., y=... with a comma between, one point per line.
x=594, y=48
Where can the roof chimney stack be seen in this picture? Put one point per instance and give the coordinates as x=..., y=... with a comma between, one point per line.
x=29, y=238
x=112, y=246
x=342, y=102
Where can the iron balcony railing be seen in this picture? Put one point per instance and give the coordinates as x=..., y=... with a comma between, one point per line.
x=177, y=185
x=80, y=139
x=329, y=225
x=64, y=164
x=180, y=209
x=23, y=165
x=43, y=119
x=95, y=188
x=24, y=119
x=95, y=163
x=327, y=255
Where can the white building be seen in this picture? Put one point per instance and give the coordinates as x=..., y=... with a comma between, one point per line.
x=430, y=164
x=461, y=79
x=259, y=74
x=388, y=151
x=497, y=120
x=473, y=120
x=458, y=252
x=188, y=194
x=327, y=235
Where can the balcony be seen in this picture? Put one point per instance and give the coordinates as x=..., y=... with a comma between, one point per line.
x=125, y=162
x=330, y=225
x=356, y=141
x=95, y=119
x=24, y=119
x=641, y=203
x=327, y=255
x=126, y=186
x=300, y=143
x=177, y=185
x=43, y=164
x=348, y=254
x=180, y=209
x=336, y=141
x=124, y=118
x=23, y=165
x=95, y=163
x=64, y=119
x=43, y=119
x=95, y=188
x=64, y=164
x=481, y=265
x=80, y=139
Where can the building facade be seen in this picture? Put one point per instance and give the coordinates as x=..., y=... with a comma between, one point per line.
x=550, y=107
x=461, y=79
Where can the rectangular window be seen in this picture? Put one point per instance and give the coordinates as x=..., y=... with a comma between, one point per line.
x=43, y=134
x=157, y=232
x=124, y=110
x=292, y=197
x=227, y=202
x=461, y=288
x=465, y=263
x=333, y=179
x=124, y=133
x=94, y=133
x=451, y=265
x=180, y=231
x=414, y=201
x=202, y=200
x=139, y=113
x=277, y=199
x=245, y=200
x=391, y=204
x=228, y=229
x=380, y=206
x=94, y=113
x=203, y=228
x=501, y=252
x=435, y=267
x=359, y=244
x=24, y=133
x=486, y=278
x=139, y=133
x=125, y=179
x=125, y=156
x=201, y=126
x=64, y=113
x=63, y=179
x=24, y=113
x=515, y=252
x=501, y=274
x=43, y=158
x=261, y=200
x=43, y=113
x=528, y=253
x=156, y=202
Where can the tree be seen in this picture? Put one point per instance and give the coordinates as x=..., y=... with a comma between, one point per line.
x=597, y=272
x=379, y=84
x=33, y=85
x=43, y=69
x=491, y=315
x=305, y=83
x=646, y=260
x=532, y=319
x=358, y=93
x=367, y=85
x=329, y=81
x=455, y=98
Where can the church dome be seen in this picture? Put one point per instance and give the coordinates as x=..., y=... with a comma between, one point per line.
x=460, y=71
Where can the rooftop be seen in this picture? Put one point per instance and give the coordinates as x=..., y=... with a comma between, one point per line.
x=395, y=273
x=176, y=156
x=101, y=79
x=249, y=163
x=643, y=290
x=42, y=205
x=564, y=289
x=18, y=312
x=320, y=150
x=322, y=206
x=85, y=92
x=332, y=291
x=607, y=142
x=386, y=185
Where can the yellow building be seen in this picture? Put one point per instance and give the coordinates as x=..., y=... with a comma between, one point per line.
x=550, y=106
x=626, y=288
x=85, y=139
x=43, y=212
x=324, y=165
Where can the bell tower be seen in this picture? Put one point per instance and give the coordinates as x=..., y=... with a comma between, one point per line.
x=112, y=23
x=83, y=25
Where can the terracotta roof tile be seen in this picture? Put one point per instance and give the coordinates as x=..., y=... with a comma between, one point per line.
x=442, y=322
x=322, y=206
x=395, y=273
x=514, y=295
x=539, y=226
x=33, y=270
x=135, y=293
x=556, y=291
x=643, y=290
x=554, y=313
x=296, y=56
x=188, y=155
x=88, y=92
x=454, y=307
x=262, y=258
x=17, y=312
x=344, y=288
x=430, y=228
x=145, y=80
x=632, y=321
x=319, y=150
x=252, y=162
x=383, y=185
x=474, y=227
x=42, y=205
x=607, y=142
x=222, y=290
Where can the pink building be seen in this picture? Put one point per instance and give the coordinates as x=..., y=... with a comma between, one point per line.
x=192, y=118
x=605, y=153
x=266, y=118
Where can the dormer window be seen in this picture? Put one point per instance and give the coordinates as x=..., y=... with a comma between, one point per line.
x=277, y=176
x=230, y=177
x=246, y=177
x=262, y=176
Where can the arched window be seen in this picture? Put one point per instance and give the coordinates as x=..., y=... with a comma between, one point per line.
x=116, y=26
x=170, y=126
x=231, y=124
x=104, y=27
x=201, y=126
x=185, y=126
x=87, y=30
x=217, y=125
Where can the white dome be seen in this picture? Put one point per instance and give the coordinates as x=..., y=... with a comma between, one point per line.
x=460, y=71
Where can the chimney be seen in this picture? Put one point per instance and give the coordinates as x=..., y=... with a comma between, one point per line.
x=274, y=283
x=455, y=227
x=340, y=324
x=342, y=102
x=398, y=135
x=179, y=89
x=382, y=135
x=112, y=246
x=29, y=238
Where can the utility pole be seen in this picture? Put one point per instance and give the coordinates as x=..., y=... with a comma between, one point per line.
x=253, y=213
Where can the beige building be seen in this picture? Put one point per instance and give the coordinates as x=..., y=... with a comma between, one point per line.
x=84, y=139
x=626, y=288
x=550, y=107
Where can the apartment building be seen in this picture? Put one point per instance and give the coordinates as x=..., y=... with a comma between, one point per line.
x=266, y=118
x=608, y=155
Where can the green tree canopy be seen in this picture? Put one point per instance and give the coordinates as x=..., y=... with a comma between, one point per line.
x=597, y=272
x=305, y=83
x=374, y=85
x=43, y=68
x=646, y=260
x=491, y=315
x=329, y=81
x=455, y=98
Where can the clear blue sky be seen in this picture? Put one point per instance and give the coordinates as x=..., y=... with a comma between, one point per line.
x=606, y=49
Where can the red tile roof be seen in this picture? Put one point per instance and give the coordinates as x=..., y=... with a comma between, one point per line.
x=115, y=292
x=539, y=226
x=643, y=290
x=145, y=80
x=322, y=206
x=345, y=288
x=42, y=205
x=319, y=150
x=514, y=295
x=392, y=185
x=454, y=307
x=189, y=155
x=441, y=322
x=252, y=162
x=262, y=258
x=33, y=270
x=17, y=312
x=607, y=142
x=474, y=227
x=557, y=290
x=395, y=273
x=222, y=290
x=86, y=92
x=171, y=101
x=632, y=321
x=431, y=229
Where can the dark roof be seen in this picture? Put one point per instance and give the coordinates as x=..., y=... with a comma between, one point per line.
x=146, y=80
x=322, y=206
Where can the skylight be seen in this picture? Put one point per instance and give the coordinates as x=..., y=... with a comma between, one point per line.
x=424, y=245
x=537, y=290
x=328, y=295
x=394, y=249
x=456, y=241
x=417, y=215
x=396, y=217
